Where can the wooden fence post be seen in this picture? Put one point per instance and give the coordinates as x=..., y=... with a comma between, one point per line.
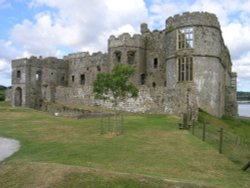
x=221, y=140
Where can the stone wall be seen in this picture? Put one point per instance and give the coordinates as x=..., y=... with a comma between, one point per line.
x=155, y=56
x=150, y=100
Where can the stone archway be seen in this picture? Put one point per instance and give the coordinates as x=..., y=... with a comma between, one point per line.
x=18, y=96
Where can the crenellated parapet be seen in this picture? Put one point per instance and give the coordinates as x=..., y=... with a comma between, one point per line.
x=193, y=19
x=126, y=39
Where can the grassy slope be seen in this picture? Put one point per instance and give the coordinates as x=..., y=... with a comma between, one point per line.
x=72, y=153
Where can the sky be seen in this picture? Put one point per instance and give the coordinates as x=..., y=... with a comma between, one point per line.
x=58, y=27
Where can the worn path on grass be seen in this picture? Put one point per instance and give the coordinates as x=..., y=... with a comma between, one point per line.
x=8, y=147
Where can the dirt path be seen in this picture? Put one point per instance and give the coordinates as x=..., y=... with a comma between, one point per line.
x=8, y=147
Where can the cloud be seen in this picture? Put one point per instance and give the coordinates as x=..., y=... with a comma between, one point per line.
x=77, y=24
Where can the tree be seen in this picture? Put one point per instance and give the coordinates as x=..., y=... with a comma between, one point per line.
x=114, y=86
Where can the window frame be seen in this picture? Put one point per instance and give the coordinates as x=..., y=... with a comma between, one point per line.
x=185, y=38
x=185, y=69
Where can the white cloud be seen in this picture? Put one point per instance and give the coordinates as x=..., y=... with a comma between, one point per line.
x=86, y=25
x=77, y=24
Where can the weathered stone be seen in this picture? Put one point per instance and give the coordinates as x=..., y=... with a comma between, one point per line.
x=156, y=58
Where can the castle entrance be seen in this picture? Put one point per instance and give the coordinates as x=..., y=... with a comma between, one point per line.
x=18, y=97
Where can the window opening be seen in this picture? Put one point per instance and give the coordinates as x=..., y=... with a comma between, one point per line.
x=155, y=63
x=185, y=38
x=118, y=56
x=38, y=76
x=154, y=84
x=82, y=81
x=185, y=69
x=18, y=74
x=131, y=57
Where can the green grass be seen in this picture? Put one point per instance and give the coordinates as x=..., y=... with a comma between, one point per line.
x=152, y=152
x=236, y=136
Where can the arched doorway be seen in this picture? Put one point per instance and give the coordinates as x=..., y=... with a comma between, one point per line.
x=18, y=96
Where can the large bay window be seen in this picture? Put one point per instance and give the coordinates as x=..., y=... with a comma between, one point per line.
x=185, y=38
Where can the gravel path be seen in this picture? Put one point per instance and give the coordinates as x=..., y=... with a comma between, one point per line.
x=8, y=147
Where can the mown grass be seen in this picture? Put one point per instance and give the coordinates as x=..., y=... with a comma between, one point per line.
x=236, y=136
x=60, y=152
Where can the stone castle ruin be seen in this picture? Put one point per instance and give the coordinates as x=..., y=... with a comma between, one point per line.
x=183, y=67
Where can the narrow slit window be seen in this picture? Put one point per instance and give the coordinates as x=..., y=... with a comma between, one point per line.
x=72, y=78
x=155, y=63
x=82, y=79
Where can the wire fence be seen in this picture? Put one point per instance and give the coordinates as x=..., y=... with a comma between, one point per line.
x=236, y=148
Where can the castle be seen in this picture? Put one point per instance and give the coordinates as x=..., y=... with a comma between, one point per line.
x=183, y=67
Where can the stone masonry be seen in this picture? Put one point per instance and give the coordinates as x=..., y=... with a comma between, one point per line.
x=181, y=68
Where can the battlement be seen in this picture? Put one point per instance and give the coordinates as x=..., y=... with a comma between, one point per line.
x=193, y=18
x=126, y=39
x=83, y=55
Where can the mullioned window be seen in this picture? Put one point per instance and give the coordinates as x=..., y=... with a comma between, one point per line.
x=185, y=38
x=185, y=69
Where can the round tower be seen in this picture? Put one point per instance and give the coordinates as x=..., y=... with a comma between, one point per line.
x=194, y=62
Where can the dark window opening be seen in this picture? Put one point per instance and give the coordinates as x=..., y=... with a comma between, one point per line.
x=82, y=81
x=87, y=68
x=63, y=78
x=73, y=78
x=118, y=56
x=155, y=63
x=131, y=57
x=154, y=84
x=38, y=76
x=52, y=73
x=143, y=79
x=165, y=83
x=18, y=74
x=98, y=68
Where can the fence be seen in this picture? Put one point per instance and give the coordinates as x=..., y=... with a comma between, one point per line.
x=236, y=148
x=112, y=123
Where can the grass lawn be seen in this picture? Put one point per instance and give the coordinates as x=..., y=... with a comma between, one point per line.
x=152, y=152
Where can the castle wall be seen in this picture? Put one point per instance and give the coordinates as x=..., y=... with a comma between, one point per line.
x=167, y=81
x=129, y=50
x=155, y=59
x=83, y=68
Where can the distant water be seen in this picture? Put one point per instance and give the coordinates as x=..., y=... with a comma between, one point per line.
x=244, y=109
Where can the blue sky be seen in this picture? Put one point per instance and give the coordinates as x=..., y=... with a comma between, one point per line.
x=58, y=27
